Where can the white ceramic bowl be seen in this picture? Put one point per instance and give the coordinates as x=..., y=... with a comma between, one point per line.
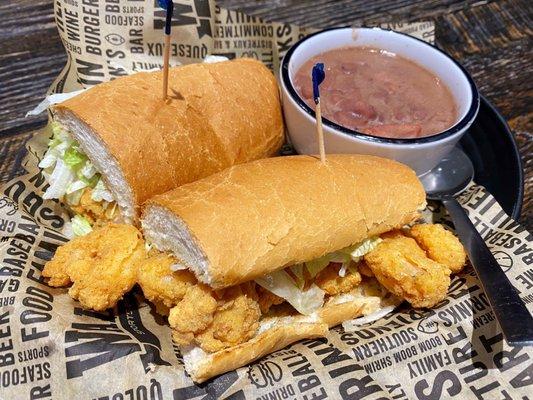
x=421, y=154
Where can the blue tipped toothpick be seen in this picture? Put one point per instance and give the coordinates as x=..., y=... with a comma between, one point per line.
x=167, y=5
x=318, y=76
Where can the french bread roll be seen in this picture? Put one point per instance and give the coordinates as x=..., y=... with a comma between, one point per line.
x=252, y=219
x=217, y=115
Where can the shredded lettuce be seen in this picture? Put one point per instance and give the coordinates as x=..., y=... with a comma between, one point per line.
x=76, y=186
x=339, y=257
x=59, y=180
x=343, y=268
x=89, y=182
x=317, y=265
x=344, y=259
x=69, y=171
x=74, y=197
x=60, y=135
x=80, y=225
x=289, y=284
x=74, y=157
x=298, y=272
x=88, y=171
x=344, y=256
x=178, y=267
x=100, y=192
x=281, y=284
x=67, y=230
x=48, y=160
x=365, y=247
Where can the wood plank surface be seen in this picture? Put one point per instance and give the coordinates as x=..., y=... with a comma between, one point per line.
x=31, y=56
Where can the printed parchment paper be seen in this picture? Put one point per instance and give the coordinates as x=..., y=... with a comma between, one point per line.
x=111, y=38
x=52, y=349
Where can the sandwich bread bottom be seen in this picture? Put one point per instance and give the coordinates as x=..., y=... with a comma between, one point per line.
x=276, y=333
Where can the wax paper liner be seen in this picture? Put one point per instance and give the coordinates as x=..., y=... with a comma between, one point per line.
x=51, y=348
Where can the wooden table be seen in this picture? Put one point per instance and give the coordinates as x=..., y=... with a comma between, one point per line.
x=490, y=38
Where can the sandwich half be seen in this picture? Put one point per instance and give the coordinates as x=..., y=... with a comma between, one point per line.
x=263, y=254
x=119, y=143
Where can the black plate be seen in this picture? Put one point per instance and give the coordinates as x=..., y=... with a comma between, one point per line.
x=492, y=148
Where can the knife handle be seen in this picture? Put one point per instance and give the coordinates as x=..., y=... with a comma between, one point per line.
x=512, y=315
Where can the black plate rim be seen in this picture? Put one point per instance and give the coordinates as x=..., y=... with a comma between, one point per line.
x=519, y=177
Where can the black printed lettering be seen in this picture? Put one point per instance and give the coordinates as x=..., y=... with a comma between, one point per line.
x=445, y=380
x=40, y=392
x=354, y=388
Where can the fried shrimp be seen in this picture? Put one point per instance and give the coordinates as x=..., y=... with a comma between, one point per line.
x=94, y=211
x=216, y=320
x=332, y=283
x=105, y=264
x=402, y=267
x=267, y=299
x=160, y=284
x=364, y=270
x=101, y=270
x=441, y=245
x=55, y=270
x=193, y=314
x=235, y=321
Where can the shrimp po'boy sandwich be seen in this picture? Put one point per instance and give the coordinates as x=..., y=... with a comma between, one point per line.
x=256, y=257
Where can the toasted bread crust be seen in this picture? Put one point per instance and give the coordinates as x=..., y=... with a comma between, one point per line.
x=217, y=115
x=252, y=219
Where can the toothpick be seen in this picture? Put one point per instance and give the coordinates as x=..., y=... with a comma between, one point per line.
x=318, y=75
x=320, y=133
x=166, y=57
x=167, y=5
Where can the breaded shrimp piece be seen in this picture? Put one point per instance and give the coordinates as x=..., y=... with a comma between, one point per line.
x=267, y=299
x=56, y=269
x=332, y=283
x=364, y=270
x=440, y=244
x=94, y=211
x=193, y=314
x=215, y=320
x=403, y=268
x=235, y=321
x=101, y=265
x=160, y=284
